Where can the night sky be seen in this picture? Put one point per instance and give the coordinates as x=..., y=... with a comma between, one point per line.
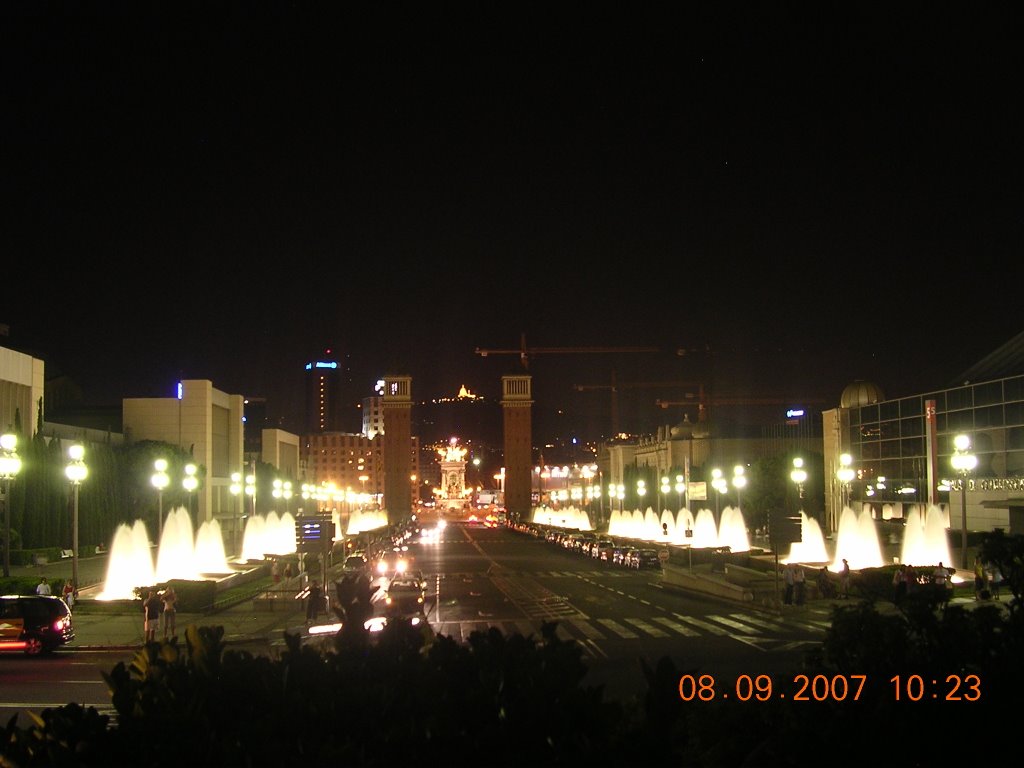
x=223, y=190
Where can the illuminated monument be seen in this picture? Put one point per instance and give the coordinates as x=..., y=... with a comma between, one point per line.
x=452, y=492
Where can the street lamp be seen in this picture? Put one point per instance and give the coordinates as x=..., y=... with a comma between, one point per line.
x=250, y=489
x=665, y=489
x=718, y=483
x=620, y=494
x=798, y=475
x=963, y=462
x=76, y=472
x=641, y=491
x=739, y=482
x=160, y=480
x=236, y=490
x=190, y=483
x=10, y=465
x=680, y=487
x=845, y=475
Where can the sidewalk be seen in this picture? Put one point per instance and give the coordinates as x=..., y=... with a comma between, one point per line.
x=246, y=622
x=242, y=624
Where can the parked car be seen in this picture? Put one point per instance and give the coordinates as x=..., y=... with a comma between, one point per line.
x=34, y=624
x=644, y=558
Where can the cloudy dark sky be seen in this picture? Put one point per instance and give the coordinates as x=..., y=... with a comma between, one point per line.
x=220, y=190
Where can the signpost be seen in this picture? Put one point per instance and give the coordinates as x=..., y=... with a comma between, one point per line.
x=782, y=529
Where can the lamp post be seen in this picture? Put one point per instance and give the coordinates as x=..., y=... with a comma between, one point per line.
x=963, y=462
x=798, y=475
x=190, y=482
x=717, y=482
x=10, y=465
x=641, y=491
x=666, y=488
x=236, y=490
x=76, y=472
x=620, y=494
x=739, y=482
x=680, y=487
x=160, y=480
x=250, y=488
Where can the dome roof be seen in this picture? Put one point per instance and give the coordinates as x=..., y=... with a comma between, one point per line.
x=860, y=393
x=683, y=430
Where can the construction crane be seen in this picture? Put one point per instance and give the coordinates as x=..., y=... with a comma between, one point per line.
x=525, y=352
x=614, y=386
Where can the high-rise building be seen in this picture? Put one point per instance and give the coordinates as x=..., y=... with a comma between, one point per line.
x=325, y=397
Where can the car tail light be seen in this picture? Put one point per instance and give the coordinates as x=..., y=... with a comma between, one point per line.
x=60, y=624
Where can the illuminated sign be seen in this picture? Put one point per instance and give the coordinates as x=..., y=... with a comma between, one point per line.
x=321, y=364
x=793, y=413
x=181, y=390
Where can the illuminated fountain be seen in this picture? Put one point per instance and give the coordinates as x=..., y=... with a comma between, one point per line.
x=925, y=541
x=365, y=520
x=649, y=526
x=566, y=517
x=811, y=547
x=270, y=535
x=179, y=556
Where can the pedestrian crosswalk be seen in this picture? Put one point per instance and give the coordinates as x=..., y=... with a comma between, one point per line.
x=742, y=626
x=594, y=574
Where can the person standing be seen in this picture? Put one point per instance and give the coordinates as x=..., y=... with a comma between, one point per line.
x=979, y=580
x=313, y=606
x=275, y=572
x=787, y=576
x=994, y=579
x=844, y=580
x=170, y=601
x=799, y=585
x=151, y=616
x=68, y=594
x=43, y=587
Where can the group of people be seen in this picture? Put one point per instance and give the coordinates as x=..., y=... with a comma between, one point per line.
x=68, y=592
x=796, y=583
x=160, y=605
x=986, y=580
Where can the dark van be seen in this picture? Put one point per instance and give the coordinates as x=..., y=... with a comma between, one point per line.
x=34, y=623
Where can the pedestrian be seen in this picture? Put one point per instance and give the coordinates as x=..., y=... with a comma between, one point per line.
x=313, y=606
x=287, y=571
x=899, y=584
x=787, y=576
x=799, y=585
x=940, y=575
x=275, y=572
x=68, y=594
x=170, y=601
x=980, y=591
x=995, y=578
x=43, y=587
x=913, y=579
x=824, y=584
x=844, y=580
x=151, y=616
